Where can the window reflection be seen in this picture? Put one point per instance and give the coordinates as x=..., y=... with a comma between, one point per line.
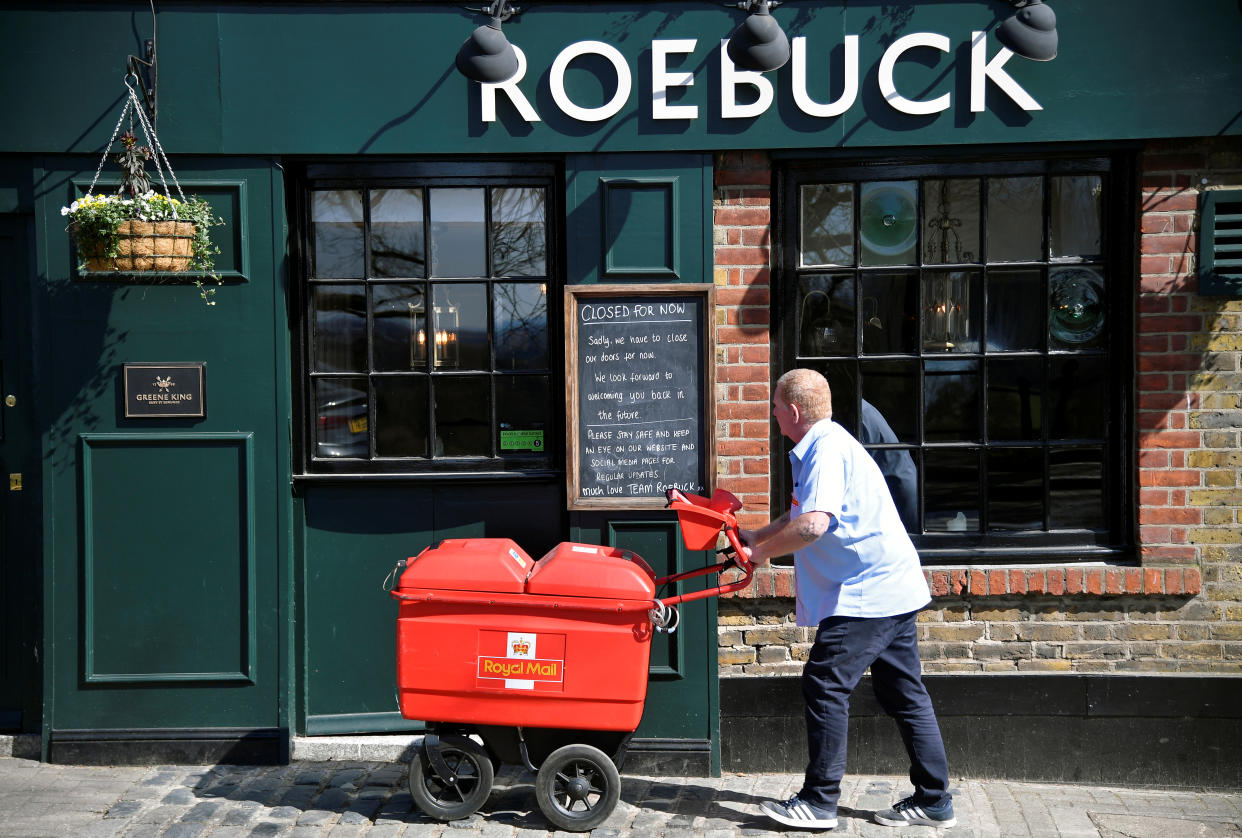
x=519, y=232
x=826, y=315
x=1015, y=479
x=1076, y=308
x=1015, y=399
x=1076, y=488
x=1079, y=394
x=463, y=417
x=523, y=422
x=951, y=399
x=1015, y=298
x=398, y=327
x=1015, y=219
x=890, y=305
x=341, y=417
x=397, y=247
x=951, y=491
x=1077, y=216
x=459, y=326
x=401, y=416
x=336, y=224
x=951, y=311
x=340, y=342
x=827, y=224
x=521, y=325
x=951, y=221
x=458, y=233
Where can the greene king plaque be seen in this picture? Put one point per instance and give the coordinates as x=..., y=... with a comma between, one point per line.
x=162, y=390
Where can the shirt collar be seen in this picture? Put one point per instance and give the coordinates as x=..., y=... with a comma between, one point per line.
x=819, y=429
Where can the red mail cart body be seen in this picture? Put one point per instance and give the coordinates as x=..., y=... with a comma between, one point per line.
x=543, y=661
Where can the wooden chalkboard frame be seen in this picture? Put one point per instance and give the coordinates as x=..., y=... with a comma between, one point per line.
x=574, y=296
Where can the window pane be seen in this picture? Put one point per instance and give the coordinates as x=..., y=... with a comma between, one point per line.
x=401, y=416
x=1016, y=489
x=951, y=221
x=951, y=491
x=1076, y=308
x=890, y=391
x=523, y=403
x=1074, y=228
x=1078, y=394
x=889, y=320
x=519, y=238
x=901, y=473
x=951, y=311
x=336, y=225
x=1015, y=219
x=340, y=341
x=1015, y=399
x=828, y=224
x=458, y=233
x=951, y=399
x=825, y=315
x=463, y=417
x=1015, y=310
x=460, y=326
x=520, y=310
x=888, y=222
x=397, y=246
x=843, y=382
x=399, y=327
x=1076, y=493
x=341, y=417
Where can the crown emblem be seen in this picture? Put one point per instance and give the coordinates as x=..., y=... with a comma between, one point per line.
x=521, y=647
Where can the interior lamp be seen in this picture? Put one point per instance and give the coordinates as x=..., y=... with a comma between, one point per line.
x=758, y=43
x=1031, y=32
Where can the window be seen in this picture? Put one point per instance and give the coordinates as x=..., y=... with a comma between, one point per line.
x=428, y=317
x=972, y=322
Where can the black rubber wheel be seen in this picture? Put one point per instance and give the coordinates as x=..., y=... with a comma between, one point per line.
x=577, y=787
x=442, y=801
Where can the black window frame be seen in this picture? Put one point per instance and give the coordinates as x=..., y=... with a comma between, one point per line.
x=307, y=177
x=1118, y=541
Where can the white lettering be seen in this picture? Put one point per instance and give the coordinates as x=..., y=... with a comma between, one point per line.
x=556, y=80
x=981, y=70
x=730, y=78
x=889, y=89
x=662, y=79
x=849, y=91
x=487, y=93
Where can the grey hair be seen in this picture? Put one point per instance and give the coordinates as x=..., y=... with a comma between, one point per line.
x=809, y=391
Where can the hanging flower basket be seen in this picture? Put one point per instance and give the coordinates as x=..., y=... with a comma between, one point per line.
x=139, y=230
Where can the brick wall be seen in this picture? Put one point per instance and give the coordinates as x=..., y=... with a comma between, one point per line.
x=1181, y=609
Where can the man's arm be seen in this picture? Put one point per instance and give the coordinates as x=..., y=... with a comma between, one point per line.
x=784, y=535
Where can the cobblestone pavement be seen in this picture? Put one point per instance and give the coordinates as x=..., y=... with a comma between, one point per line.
x=348, y=799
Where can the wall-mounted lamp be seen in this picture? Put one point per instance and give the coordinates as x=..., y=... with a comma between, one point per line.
x=758, y=43
x=1031, y=32
x=487, y=56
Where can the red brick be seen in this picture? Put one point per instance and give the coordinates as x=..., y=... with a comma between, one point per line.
x=783, y=582
x=1165, y=515
x=1152, y=382
x=959, y=581
x=755, y=296
x=1095, y=581
x=1158, y=275
x=742, y=256
x=1163, y=401
x=1156, y=223
x=1114, y=580
x=978, y=582
x=1165, y=553
x=1193, y=581
x=1161, y=201
x=738, y=485
x=1056, y=581
x=1074, y=580
x=733, y=334
x=757, y=355
x=1154, y=535
x=997, y=582
x=743, y=217
x=1158, y=420
x=939, y=583
x=1171, y=477
x=1174, y=581
x=743, y=177
x=741, y=410
x=1150, y=459
x=742, y=374
x=1170, y=323
x=1146, y=343
x=1169, y=439
x=1170, y=362
x=1153, y=497
x=1017, y=581
x=1178, y=243
x=1134, y=580
x=1153, y=580
x=1154, y=304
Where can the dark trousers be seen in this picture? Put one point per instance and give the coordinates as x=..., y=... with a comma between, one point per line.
x=844, y=648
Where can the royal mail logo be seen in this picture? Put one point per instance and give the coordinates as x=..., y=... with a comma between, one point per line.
x=522, y=669
x=520, y=649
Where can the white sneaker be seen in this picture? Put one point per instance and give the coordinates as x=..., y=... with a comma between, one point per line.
x=799, y=814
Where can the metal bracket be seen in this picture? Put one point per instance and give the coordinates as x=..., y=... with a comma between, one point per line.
x=431, y=746
x=146, y=72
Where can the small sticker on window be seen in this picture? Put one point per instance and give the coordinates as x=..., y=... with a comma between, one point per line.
x=521, y=440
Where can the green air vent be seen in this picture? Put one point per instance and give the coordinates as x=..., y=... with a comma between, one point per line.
x=1220, y=242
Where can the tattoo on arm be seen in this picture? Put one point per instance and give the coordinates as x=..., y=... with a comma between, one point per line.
x=809, y=530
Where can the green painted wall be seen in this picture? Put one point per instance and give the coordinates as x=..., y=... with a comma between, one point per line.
x=362, y=78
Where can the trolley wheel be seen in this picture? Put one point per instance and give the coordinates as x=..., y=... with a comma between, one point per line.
x=445, y=801
x=577, y=787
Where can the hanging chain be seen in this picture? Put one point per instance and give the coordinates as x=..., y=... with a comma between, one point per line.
x=132, y=107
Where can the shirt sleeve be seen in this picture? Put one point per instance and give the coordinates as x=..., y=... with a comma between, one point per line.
x=821, y=481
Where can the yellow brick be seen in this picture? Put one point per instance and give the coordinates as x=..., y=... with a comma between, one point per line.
x=952, y=632
x=1204, y=381
x=1214, y=459
x=1221, y=401
x=1044, y=666
x=1146, y=631
x=735, y=657
x=1216, y=535
x=1219, y=515
x=994, y=615
x=1213, y=498
x=1220, y=478
x=1216, y=343
x=1227, y=632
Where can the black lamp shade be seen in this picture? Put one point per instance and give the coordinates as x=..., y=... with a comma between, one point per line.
x=759, y=43
x=487, y=56
x=1031, y=33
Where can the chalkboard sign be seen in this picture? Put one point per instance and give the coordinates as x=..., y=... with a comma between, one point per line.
x=640, y=378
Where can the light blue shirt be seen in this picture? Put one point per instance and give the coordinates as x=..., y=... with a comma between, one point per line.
x=865, y=565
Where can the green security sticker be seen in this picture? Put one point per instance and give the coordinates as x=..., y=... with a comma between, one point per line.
x=521, y=440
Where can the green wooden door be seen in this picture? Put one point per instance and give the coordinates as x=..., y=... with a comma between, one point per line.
x=644, y=218
x=170, y=537
x=19, y=514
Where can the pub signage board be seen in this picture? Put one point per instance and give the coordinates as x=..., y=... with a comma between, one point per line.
x=164, y=390
x=641, y=414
